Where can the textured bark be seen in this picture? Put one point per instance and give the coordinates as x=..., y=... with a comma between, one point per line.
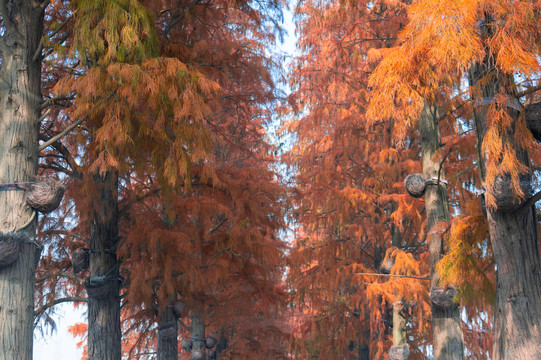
x=167, y=335
x=448, y=339
x=364, y=352
x=20, y=99
x=515, y=244
x=533, y=119
x=198, y=334
x=104, y=312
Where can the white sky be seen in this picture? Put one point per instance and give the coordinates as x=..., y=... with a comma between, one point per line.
x=60, y=345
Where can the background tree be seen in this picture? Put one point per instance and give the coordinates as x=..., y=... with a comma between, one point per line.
x=122, y=99
x=351, y=206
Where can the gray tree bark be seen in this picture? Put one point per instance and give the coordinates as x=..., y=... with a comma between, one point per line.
x=167, y=334
x=448, y=339
x=20, y=98
x=104, y=335
x=514, y=239
x=198, y=334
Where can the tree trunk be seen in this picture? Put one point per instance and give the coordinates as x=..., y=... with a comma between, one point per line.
x=515, y=243
x=20, y=98
x=104, y=334
x=168, y=335
x=198, y=334
x=400, y=349
x=364, y=352
x=448, y=340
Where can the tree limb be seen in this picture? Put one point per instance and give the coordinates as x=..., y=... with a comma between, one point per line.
x=61, y=134
x=393, y=275
x=40, y=46
x=528, y=91
x=531, y=201
x=54, y=302
x=66, y=274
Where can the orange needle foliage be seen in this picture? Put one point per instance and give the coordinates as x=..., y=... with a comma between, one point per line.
x=350, y=203
x=178, y=113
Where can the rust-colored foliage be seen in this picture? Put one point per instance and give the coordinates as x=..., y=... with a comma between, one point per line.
x=351, y=204
x=173, y=99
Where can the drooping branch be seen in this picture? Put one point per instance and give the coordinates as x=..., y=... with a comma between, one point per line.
x=54, y=302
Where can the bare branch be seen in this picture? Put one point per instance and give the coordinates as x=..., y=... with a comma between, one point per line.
x=54, y=302
x=531, y=201
x=66, y=274
x=61, y=134
x=528, y=91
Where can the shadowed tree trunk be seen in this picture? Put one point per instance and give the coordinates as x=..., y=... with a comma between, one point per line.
x=448, y=340
x=167, y=334
x=20, y=98
x=103, y=285
x=198, y=334
x=514, y=240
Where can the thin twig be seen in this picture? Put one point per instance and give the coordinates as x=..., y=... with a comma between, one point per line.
x=218, y=226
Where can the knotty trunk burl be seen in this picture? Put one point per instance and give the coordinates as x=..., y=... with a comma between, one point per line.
x=514, y=240
x=104, y=334
x=448, y=339
x=20, y=99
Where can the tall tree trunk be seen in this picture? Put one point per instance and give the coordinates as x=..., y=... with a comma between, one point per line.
x=198, y=334
x=514, y=240
x=104, y=334
x=448, y=340
x=167, y=334
x=400, y=349
x=20, y=98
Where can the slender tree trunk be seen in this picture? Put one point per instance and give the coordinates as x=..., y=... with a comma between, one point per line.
x=104, y=334
x=400, y=349
x=20, y=98
x=448, y=340
x=168, y=335
x=515, y=243
x=198, y=334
